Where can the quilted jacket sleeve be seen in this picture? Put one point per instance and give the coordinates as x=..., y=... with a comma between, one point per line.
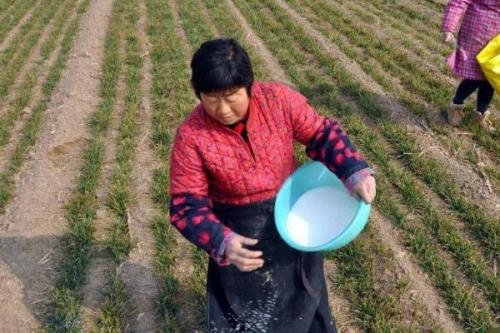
x=332, y=147
x=453, y=13
x=190, y=207
x=187, y=173
x=305, y=121
x=325, y=141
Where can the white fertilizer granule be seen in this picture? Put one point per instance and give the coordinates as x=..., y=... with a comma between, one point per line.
x=320, y=215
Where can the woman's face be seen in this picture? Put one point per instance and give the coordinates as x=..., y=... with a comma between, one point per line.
x=228, y=107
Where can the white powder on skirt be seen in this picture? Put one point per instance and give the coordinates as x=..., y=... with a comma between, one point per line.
x=320, y=215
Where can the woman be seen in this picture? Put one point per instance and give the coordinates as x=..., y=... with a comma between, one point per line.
x=229, y=159
x=480, y=23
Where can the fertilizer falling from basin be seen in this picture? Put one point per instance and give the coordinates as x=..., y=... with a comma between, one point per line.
x=320, y=215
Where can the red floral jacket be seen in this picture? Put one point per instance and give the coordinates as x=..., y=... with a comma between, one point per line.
x=211, y=162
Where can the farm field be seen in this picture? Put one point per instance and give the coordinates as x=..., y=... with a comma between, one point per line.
x=91, y=92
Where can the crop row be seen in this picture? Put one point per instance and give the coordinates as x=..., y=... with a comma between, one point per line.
x=116, y=307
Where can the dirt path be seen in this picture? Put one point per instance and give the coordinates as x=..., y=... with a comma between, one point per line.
x=32, y=226
x=11, y=34
x=137, y=272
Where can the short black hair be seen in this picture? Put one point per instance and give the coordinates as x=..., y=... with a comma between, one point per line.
x=221, y=64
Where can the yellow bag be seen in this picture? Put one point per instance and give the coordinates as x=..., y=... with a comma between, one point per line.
x=489, y=60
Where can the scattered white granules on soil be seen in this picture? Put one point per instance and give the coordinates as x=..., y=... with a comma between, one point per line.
x=320, y=215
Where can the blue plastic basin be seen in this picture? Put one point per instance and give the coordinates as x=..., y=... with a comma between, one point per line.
x=315, y=177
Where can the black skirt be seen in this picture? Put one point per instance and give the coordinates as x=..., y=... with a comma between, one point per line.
x=288, y=294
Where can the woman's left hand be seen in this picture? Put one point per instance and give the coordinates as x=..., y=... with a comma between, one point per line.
x=366, y=189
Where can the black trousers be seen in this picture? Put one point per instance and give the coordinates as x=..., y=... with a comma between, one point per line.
x=287, y=295
x=484, y=93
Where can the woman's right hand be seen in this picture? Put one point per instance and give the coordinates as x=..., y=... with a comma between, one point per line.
x=449, y=38
x=246, y=260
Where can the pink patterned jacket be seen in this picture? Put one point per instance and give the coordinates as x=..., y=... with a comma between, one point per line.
x=477, y=21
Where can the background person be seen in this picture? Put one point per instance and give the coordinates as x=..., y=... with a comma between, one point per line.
x=477, y=22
